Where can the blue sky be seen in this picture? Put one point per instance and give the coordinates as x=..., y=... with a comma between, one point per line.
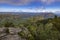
x=29, y=5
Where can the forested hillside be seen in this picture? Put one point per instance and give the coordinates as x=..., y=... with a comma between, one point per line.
x=33, y=28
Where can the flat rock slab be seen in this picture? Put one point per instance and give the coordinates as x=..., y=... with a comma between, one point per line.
x=13, y=34
x=12, y=37
x=14, y=30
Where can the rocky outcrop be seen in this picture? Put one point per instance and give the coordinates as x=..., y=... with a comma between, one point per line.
x=12, y=37
x=13, y=30
x=13, y=34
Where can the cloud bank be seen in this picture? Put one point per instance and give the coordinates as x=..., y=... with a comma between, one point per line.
x=16, y=2
x=49, y=1
x=25, y=2
x=27, y=10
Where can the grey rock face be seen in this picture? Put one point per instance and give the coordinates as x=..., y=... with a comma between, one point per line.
x=2, y=29
x=13, y=34
x=14, y=30
x=12, y=37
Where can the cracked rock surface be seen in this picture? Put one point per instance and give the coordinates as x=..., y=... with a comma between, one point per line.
x=13, y=34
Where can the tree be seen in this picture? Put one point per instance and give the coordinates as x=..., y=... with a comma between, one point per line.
x=8, y=24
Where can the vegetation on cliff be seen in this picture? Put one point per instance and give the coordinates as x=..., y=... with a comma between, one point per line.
x=35, y=28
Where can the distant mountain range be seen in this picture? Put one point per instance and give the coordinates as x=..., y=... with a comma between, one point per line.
x=28, y=14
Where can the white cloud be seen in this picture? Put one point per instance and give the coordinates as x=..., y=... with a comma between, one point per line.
x=27, y=10
x=16, y=2
x=49, y=1
x=25, y=2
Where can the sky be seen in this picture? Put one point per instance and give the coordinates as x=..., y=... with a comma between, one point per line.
x=29, y=5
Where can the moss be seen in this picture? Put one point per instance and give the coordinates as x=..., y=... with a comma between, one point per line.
x=21, y=34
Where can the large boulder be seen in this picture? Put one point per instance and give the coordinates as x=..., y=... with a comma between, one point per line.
x=13, y=30
x=2, y=29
